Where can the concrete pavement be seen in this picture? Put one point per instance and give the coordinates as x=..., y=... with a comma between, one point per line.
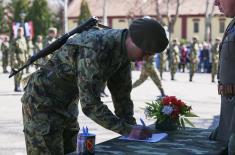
x=201, y=94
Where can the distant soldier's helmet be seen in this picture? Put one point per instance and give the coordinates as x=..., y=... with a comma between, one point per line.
x=52, y=30
x=148, y=35
x=20, y=29
x=195, y=37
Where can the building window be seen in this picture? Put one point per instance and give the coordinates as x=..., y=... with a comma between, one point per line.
x=196, y=25
x=121, y=20
x=221, y=25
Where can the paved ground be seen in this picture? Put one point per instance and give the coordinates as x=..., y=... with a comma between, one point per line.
x=201, y=94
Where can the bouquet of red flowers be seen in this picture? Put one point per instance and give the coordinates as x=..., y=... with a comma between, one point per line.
x=170, y=113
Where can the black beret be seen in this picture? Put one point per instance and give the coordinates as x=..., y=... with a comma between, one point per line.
x=148, y=35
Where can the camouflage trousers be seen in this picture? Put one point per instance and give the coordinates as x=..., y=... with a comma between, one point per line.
x=173, y=68
x=145, y=73
x=214, y=70
x=4, y=60
x=161, y=69
x=18, y=77
x=192, y=69
x=47, y=132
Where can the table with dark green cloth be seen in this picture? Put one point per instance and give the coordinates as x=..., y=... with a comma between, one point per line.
x=191, y=141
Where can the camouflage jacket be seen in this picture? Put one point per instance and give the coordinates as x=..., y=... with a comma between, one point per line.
x=5, y=47
x=30, y=47
x=175, y=54
x=78, y=71
x=19, y=49
x=194, y=53
x=215, y=53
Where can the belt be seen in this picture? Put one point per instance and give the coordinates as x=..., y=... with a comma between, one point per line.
x=226, y=90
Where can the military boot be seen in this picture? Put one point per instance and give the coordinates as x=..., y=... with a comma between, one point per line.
x=190, y=78
x=5, y=71
x=213, y=79
x=17, y=88
x=161, y=75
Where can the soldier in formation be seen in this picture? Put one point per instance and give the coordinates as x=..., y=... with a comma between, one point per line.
x=193, y=58
x=215, y=59
x=5, y=48
x=30, y=50
x=19, y=50
x=162, y=67
x=174, y=58
x=52, y=36
x=37, y=47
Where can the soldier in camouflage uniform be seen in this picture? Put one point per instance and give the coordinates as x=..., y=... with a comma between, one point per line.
x=30, y=50
x=174, y=58
x=77, y=72
x=226, y=78
x=5, y=53
x=148, y=70
x=37, y=47
x=19, y=49
x=193, y=58
x=52, y=35
x=162, y=63
x=215, y=59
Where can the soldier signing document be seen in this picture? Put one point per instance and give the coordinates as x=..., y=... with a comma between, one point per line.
x=77, y=72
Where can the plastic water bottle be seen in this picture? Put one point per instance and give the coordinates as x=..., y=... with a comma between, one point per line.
x=231, y=145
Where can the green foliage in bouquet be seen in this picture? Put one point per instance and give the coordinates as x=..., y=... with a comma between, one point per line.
x=170, y=109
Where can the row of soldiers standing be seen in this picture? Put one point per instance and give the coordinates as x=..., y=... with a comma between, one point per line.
x=175, y=50
x=147, y=69
x=17, y=51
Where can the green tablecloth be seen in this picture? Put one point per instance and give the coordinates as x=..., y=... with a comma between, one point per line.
x=192, y=141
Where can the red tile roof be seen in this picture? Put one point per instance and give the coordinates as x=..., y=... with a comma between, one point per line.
x=140, y=7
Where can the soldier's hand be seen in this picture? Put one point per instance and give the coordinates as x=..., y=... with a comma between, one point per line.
x=140, y=132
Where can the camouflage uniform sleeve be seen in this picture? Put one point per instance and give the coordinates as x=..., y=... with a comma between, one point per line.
x=90, y=80
x=120, y=86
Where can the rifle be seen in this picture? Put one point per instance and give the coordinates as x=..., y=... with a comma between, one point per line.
x=58, y=43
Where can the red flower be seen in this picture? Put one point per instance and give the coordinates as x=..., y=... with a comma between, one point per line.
x=166, y=100
x=173, y=99
x=180, y=103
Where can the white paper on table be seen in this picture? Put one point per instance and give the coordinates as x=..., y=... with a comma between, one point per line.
x=156, y=137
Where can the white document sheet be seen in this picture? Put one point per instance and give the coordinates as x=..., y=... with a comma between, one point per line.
x=156, y=137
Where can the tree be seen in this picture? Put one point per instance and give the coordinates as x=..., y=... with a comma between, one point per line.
x=84, y=12
x=208, y=20
x=19, y=7
x=40, y=16
x=1, y=14
x=5, y=19
x=171, y=18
